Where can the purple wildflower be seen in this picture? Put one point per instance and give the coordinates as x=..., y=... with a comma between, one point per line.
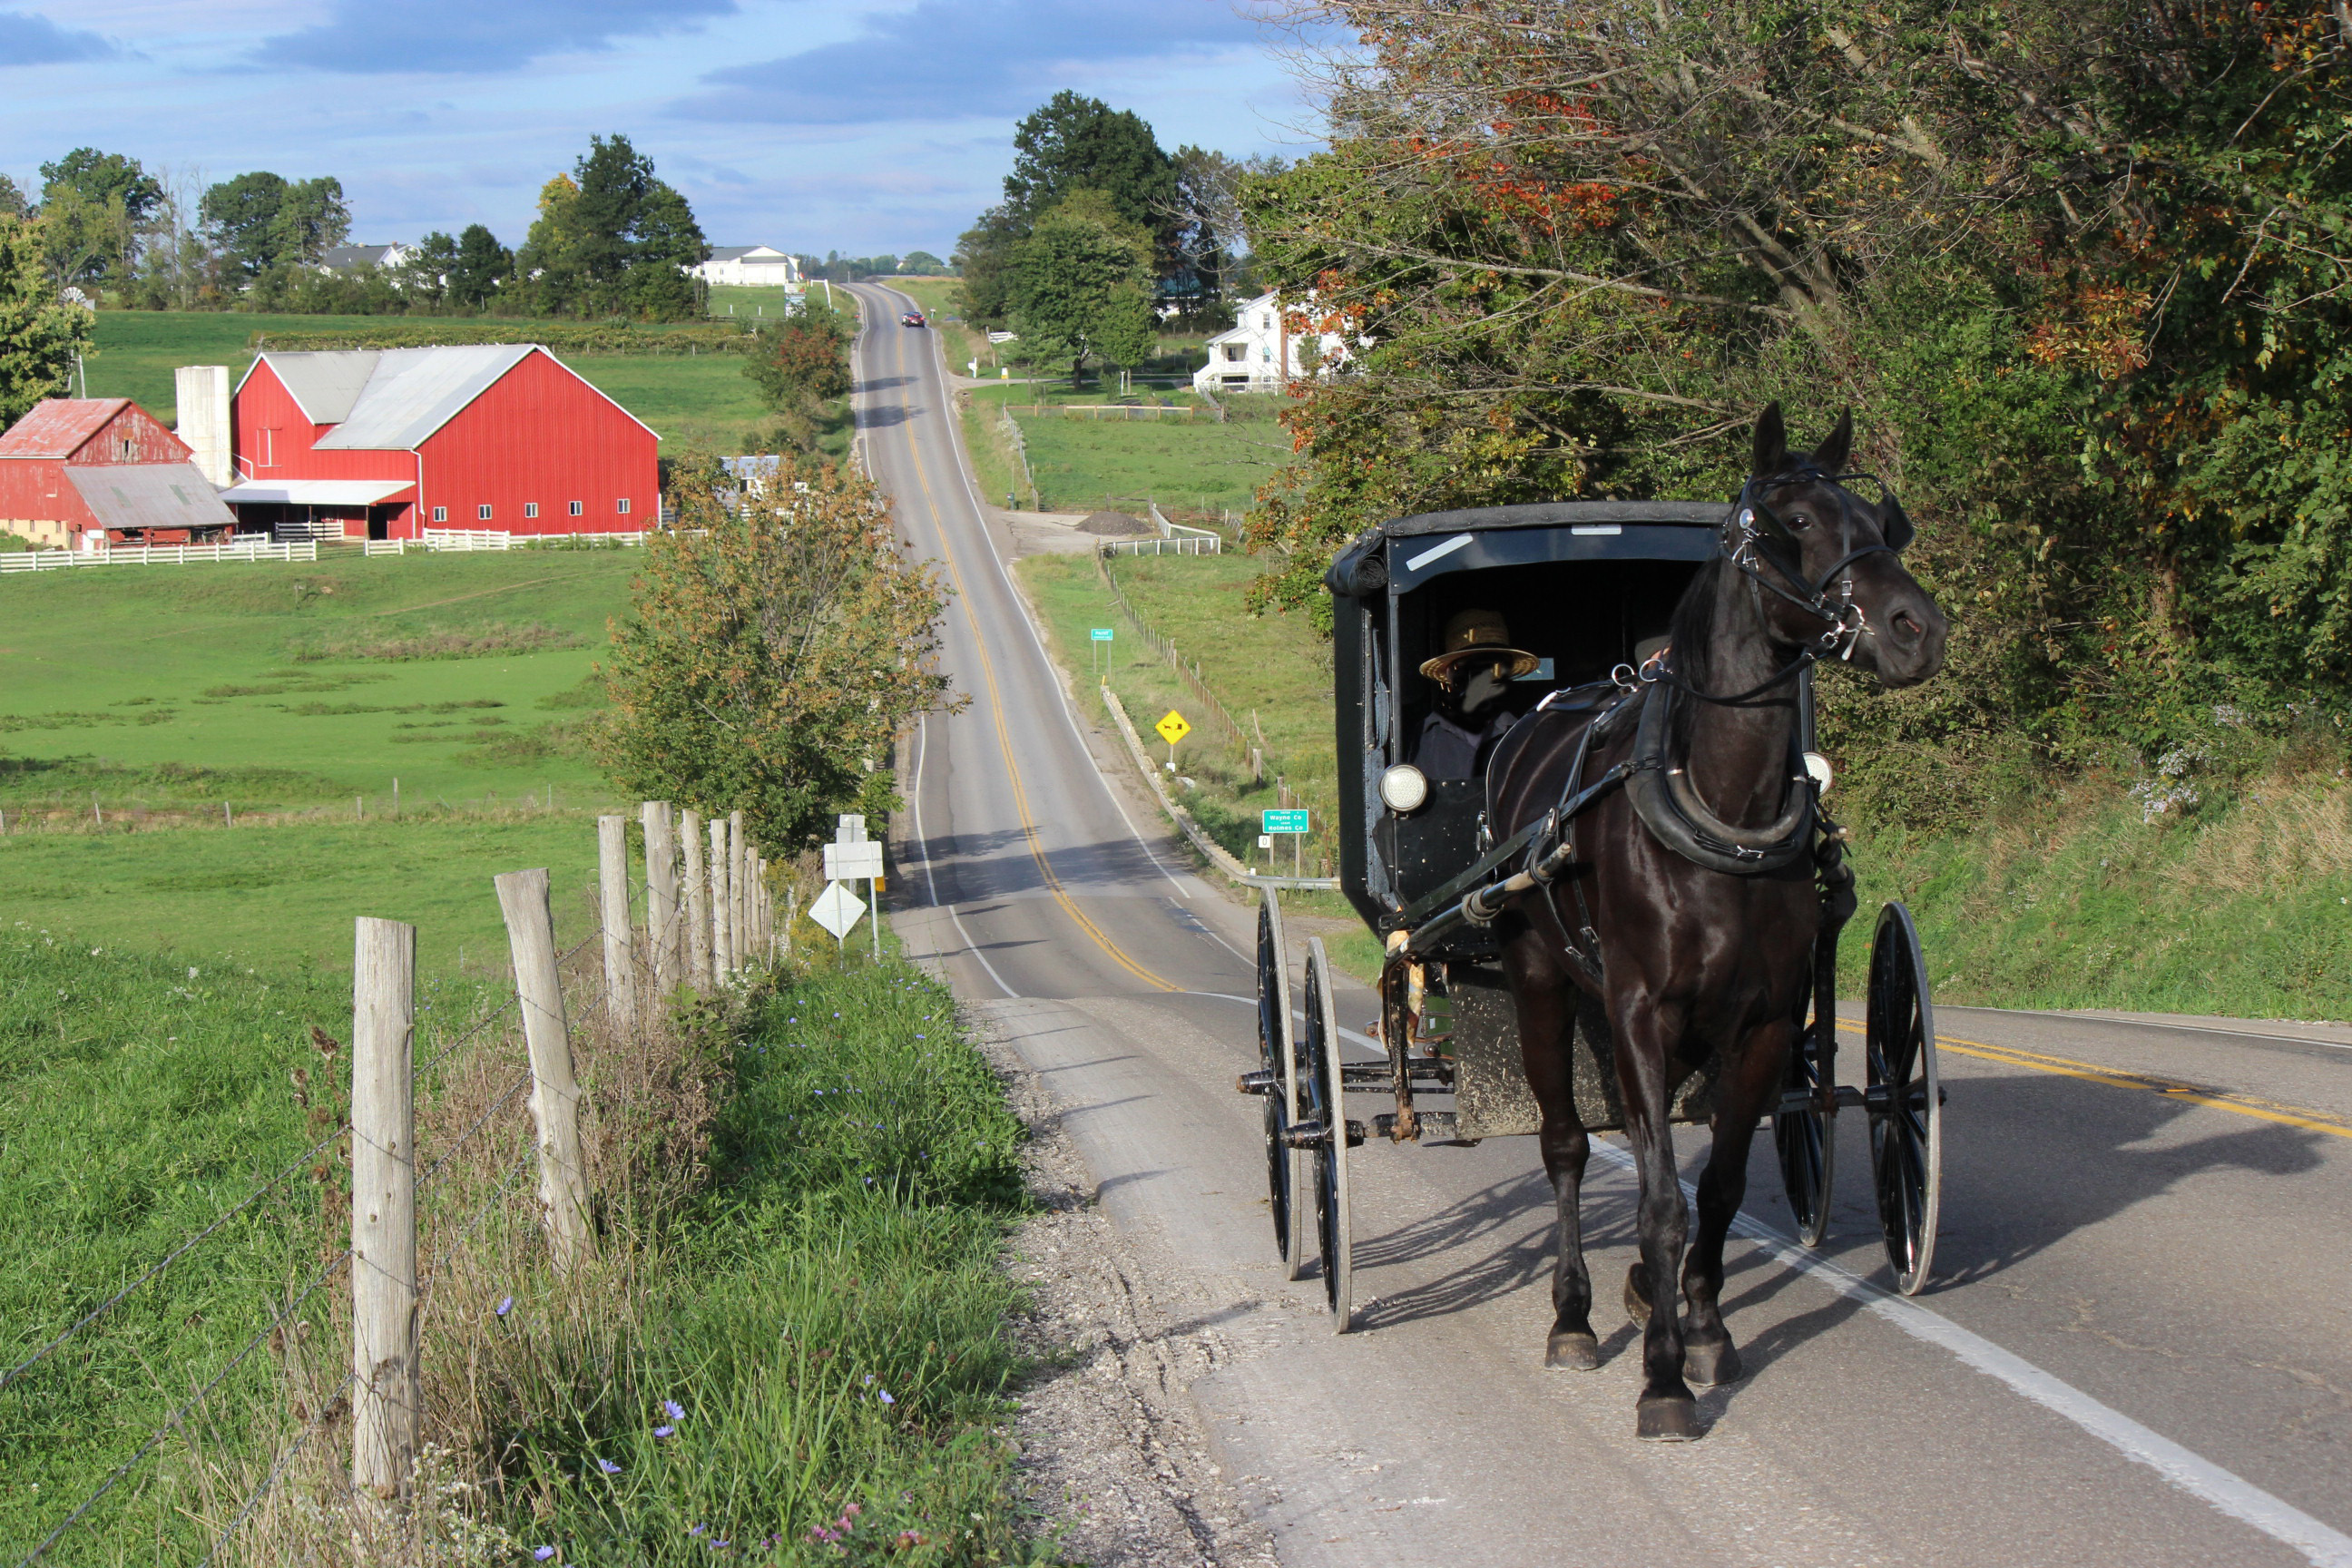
x=505, y=1306
x=609, y=1467
x=664, y=1431
x=543, y=1553
x=885, y=1398
x=673, y=1409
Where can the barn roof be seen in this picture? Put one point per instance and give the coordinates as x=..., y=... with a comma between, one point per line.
x=59, y=426
x=150, y=495
x=393, y=399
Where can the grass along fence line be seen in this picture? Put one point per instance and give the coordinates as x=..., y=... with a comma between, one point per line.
x=196, y=1478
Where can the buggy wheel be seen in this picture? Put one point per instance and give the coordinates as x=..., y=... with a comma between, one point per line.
x=1806, y=1139
x=1325, y=1104
x=1907, y=1103
x=1278, y=1053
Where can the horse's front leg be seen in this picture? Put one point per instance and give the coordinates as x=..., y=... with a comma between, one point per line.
x=1547, y=1001
x=1749, y=1085
x=1667, y=1411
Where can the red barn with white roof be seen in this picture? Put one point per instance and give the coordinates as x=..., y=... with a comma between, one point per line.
x=77, y=471
x=386, y=443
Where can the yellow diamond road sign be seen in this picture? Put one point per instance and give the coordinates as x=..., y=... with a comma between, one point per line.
x=1172, y=728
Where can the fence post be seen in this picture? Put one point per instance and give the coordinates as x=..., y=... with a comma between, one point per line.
x=555, y=1092
x=661, y=895
x=739, y=890
x=722, y=938
x=386, y=1388
x=698, y=902
x=612, y=882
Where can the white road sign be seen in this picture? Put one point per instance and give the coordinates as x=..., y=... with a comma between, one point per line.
x=846, y=862
x=836, y=909
x=849, y=827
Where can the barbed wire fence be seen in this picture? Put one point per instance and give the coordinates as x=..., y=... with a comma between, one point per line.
x=708, y=930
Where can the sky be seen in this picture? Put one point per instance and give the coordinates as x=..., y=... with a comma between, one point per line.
x=860, y=126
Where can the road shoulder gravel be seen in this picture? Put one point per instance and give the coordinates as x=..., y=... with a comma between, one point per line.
x=1113, y=1457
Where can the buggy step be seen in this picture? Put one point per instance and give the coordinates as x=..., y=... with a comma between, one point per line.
x=1434, y=1127
x=1316, y=1135
x=1878, y=1099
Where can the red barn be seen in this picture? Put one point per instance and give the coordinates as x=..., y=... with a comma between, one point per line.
x=383, y=444
x=76, y=471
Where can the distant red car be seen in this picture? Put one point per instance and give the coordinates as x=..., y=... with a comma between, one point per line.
x=911, y=319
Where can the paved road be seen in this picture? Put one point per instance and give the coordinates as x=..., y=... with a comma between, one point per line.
x=2137, y=1352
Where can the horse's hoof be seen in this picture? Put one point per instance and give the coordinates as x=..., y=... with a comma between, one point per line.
x=1667, y=1420
x=1710, y=1365
x=1572, y=1353
x=1637, y=1306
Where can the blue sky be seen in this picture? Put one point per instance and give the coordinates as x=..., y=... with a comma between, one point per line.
x=855, y=125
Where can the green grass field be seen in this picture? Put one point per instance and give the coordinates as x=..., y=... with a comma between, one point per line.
x=1195, y=465
x=692, y=401
x=744, y=302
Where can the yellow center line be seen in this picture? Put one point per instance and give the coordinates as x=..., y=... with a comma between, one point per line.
x=1004, y=736
x=2171, y=1089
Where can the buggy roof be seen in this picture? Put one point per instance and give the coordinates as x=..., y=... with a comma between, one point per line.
x=1401, y=555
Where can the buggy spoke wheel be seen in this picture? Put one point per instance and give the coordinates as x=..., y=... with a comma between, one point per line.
x=1325, y=1104
x=1278, y=1053
x=1806, y=1139
x=1907, y=1110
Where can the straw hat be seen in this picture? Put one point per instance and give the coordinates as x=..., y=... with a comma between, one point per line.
x=1474, y=637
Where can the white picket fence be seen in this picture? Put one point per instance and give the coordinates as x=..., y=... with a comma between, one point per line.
x=158, y=555
x=498, y=539
x=1209, y=546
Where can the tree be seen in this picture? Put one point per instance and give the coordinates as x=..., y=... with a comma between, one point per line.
x=263, y=221
x=104, y=179
x=41, y=336
x=921, y=264
x=1073, y=143
x=1066, y=278
x=12, y=198
x=801, y=365
x=1127, y=331
x=983, y=260
x=612, y=237
x=430, y=263
x=481, y=266
x=775, y=650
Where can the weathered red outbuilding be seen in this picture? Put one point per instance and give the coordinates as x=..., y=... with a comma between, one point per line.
x=77, y=469
x=385, y=444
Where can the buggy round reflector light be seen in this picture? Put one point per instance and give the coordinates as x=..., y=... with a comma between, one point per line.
x=1818, y=766
x=1404, y=788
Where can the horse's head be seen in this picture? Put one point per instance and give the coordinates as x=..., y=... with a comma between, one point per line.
x=1830, y=559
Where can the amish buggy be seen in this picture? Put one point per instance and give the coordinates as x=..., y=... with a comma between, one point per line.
x=1581, y=805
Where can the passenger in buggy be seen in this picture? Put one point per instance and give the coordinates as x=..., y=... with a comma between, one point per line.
x=1473, y=674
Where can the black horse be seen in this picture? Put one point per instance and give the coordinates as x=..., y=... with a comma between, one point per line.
x=1690, y=907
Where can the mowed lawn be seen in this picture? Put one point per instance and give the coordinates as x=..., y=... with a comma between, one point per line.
x=690, y=400
x=1198, y=463
x=185, y=695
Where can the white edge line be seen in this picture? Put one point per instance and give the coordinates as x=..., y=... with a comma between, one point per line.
x=914, y=799
x=1426, y=556
x=1054, y=677
x=2199, y=1476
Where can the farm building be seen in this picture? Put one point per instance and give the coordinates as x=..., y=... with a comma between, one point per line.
x=1259, y=354
x=756, y=266
x=81, y=472
x=385, y=444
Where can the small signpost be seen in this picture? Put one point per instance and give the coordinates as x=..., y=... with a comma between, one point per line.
x=849, y=857
x=1095, y=635
x=1172, y=729
x=1283, y=819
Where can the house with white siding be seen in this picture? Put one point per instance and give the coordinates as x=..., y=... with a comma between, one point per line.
x=758, y=266
x=1257, y=355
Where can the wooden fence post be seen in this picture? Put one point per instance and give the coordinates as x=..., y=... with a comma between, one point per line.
x=620, y=961
x=738, y=889
x=661, y=895
x=722, y=938
x=555, y=1092
x=386, y=1389
x=698, y=902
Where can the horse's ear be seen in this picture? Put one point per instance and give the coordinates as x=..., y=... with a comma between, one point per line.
x=1837, y=446
x=1771, y=442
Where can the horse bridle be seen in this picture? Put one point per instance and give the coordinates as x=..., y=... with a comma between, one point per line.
x=1844, y=621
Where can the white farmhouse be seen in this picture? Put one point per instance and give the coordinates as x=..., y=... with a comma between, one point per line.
x=1258, y=355
x=759, y=265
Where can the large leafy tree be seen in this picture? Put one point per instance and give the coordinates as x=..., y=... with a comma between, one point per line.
x=776, y=648
x=262, y=221
x=479, y=268
x=95, y=208
x=612, y=237
x=800, y=364
x=40, y=335
x=1075, y=280
x=2080, y=270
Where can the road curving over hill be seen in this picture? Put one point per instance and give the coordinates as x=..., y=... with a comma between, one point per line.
x=2137, y=1350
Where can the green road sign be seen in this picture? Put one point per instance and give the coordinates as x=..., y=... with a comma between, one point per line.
x=1102, y=633
x=1291, y=821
